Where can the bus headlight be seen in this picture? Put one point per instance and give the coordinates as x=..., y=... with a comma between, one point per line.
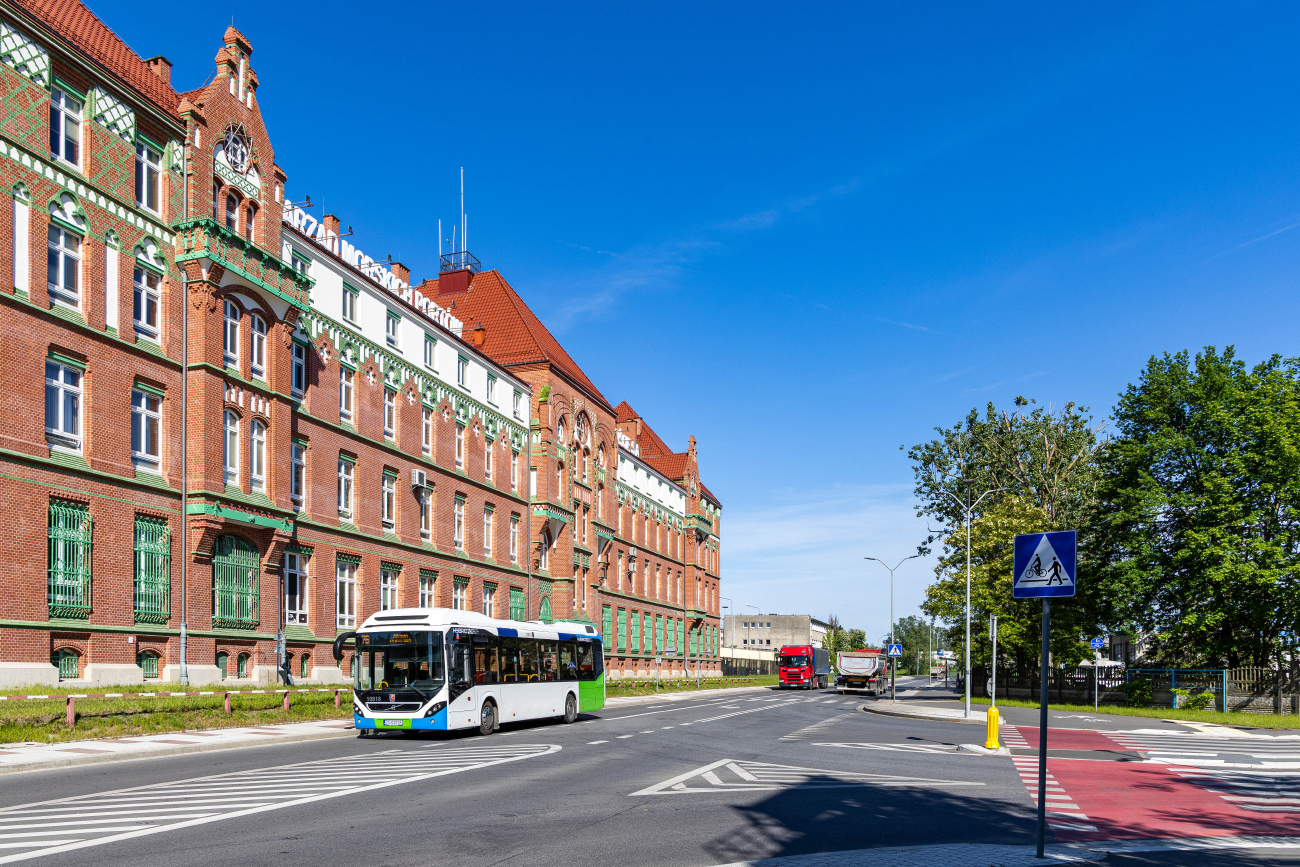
x=434, y=708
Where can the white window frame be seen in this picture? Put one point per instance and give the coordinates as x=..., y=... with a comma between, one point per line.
x=388, y=502
x=459, y=592
x=489, y=525
x=345, y=586
x=388, y=583
x=295, y=607
x=257, y=456
x=489, y=601
x=514, y=470
x=298, y=371
x=297, y=472
x=492, y=389
x=458, y=525
x=346, y=488
x=148, y=169
x=390, y=413
x=146, y=430
x=393, y=330
x=65, y=247
x=257, y=346
x=430, y=352
x=460, y=446
x=350, y=296
x=65, y=114
x=519, y=399
x=514, y=538
x=230, y=334
x=146, y=303
x=426, y=513
x=462, y=371
x=428, y=591
x=63, y=384
x=230, y=447
x=426, y=431
x=347, y=382
x=487, y=459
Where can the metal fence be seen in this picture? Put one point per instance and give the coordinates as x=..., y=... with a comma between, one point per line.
x=748, y=667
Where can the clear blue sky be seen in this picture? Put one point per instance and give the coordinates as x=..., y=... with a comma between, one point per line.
x=809, y=234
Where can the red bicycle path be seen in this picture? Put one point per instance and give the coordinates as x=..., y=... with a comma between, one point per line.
x=1133, y=800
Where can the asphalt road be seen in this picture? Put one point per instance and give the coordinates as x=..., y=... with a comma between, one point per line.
x=712, y=781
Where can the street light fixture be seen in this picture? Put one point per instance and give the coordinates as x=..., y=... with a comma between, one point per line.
x=892, y=694
x=967, y=509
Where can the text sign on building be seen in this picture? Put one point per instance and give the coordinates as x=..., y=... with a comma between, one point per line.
x=1044, y=565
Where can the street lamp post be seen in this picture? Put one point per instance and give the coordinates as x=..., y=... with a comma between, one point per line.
x=967, y=509
x=748, y=635
x=732, y=606
x=892, y=694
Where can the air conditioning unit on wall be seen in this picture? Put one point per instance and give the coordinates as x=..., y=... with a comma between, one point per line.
x=419, y=479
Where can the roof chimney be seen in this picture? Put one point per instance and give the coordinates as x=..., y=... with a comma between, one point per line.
x=401, y=272
x=453, y=282
x=331, y=224
x=161, y=67
x=479, y=334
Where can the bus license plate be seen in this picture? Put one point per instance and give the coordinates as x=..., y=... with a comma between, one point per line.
x=391, y=722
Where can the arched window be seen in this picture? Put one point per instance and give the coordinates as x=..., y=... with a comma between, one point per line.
x=216, y=199
x=546, y=616
x=560, y=430
x=230, y=448
x=230, y=335
x=545, y=558
x=600, y=456
x=68, y=662
x=241, y=665
x=257, y=457
x=257, y=346
x=586, y=459
x=559, y=479
x=148, y=662
x=250, y=221
x=223, y=664
x=232, y=212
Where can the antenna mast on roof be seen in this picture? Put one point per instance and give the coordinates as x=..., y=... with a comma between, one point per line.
x=462, y=209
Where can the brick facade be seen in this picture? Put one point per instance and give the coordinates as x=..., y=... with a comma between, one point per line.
x=100, y=530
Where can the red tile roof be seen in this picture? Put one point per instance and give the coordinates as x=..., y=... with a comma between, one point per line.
x=514, y=333
x=672, y=466
x=73, y=22
x=705, y=489
x=649, y=441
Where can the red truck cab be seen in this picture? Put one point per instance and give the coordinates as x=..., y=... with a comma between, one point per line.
x=803, y=666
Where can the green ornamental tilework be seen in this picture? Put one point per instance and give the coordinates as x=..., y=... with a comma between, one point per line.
x=24, y=56
x=24, y=110
x=113, y=167
x=113, y=114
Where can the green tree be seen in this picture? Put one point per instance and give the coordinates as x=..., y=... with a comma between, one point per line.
x=1201, y=506
x=835, y=638
x=856, y=639
x=914, y=634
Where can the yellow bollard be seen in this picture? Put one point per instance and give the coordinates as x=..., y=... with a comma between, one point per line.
x=991, y=739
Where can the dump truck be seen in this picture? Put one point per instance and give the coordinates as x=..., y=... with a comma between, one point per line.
x=862, y=671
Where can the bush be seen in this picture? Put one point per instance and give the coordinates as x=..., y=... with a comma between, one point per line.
x=1200, y=701
x=1139, y=692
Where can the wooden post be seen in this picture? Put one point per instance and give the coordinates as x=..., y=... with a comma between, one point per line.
x=72, y=712
x=336, y=699
x=227, y=704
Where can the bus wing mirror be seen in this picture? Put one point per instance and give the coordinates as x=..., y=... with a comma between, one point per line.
x=338, y=645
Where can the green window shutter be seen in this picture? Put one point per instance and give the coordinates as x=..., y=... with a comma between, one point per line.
x=148, y=663
x=681, y=646
x=659, y=633
x=622, y=630
x=636, y=632
x=236, y=585
x=152, y=570
x=69, y=549
x=223, y=664
x=544, y=613
x=518, y=604
x=68, y=663
x=607, y=625
x=695, y=642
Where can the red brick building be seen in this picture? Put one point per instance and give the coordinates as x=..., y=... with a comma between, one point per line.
x=336, y=441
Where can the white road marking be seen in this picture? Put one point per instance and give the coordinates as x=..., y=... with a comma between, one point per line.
x=49, y=827
x=593, y=743
x=900, y=748
x=737, y=775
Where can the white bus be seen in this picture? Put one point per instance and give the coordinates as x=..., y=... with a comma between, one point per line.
x=442, y=669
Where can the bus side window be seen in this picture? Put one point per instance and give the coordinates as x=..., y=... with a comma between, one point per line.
x=569, y=660
x=598, y=660
x=460, y=663
x=528, y=660
x=485, y=659
x=549, y=660
x=586, y=661
x=509, y=660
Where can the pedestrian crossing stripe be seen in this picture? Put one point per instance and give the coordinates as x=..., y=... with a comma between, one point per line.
x=734, y=775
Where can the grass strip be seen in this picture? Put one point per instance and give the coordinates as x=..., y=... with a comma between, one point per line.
x=1236, y=720
x=44, y=721
x=161, y=687
x=638, y=686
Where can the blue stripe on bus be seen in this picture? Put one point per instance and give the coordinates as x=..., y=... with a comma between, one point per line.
x=508, y=633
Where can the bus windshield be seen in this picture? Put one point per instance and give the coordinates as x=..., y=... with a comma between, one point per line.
x=794, y=661
x=400, y=660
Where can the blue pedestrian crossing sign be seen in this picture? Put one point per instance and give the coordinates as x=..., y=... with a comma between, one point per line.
x=1098, y=643
x=1044, y=565
x=895, y=650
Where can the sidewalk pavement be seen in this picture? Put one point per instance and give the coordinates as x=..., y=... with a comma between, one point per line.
x=687, y=695
x=35, y=756
x=985, y=854
x=916, y=709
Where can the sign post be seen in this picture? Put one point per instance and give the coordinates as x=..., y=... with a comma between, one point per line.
x=1097, y=645
x=1044, y=567
x=993, y=671
x=895, y=652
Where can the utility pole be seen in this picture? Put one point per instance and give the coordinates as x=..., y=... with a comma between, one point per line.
x=968, y=509
x=892, y=664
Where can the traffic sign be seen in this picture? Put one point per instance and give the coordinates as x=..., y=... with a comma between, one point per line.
x=1098, y=643
x=1044, y=565
x=895, y=650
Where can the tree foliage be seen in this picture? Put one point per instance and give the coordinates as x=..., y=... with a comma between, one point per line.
x=1200, y=507
x=914, y=634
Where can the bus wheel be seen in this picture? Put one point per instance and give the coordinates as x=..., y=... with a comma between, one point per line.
x=488, y=719
x=570, y=709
